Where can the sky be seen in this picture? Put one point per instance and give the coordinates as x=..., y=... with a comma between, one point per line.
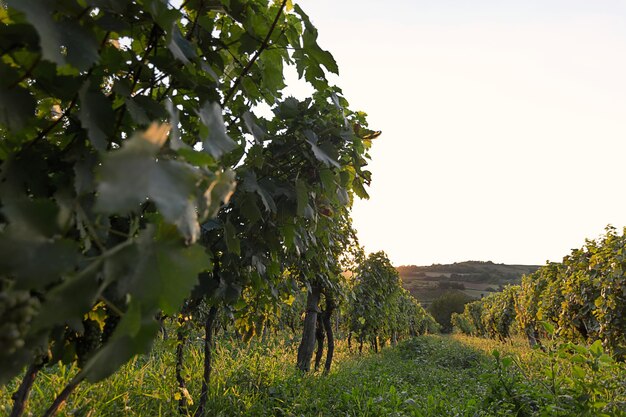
x=504, y=123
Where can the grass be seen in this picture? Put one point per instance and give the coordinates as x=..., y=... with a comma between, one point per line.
x=424, y=376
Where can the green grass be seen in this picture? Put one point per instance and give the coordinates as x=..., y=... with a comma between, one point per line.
x=424, y=376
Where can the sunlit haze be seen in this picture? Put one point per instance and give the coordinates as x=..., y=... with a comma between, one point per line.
x=504, y=123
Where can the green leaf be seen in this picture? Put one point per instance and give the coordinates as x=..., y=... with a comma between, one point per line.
x=548, y=327
x=578, y=372
x=36, y=262
x=81, y=49
x=196, y=158
x=250, y=184
x=32, y=217
x=320, y=152
x=133, y=335
x=17, y=108
x=164, y=273
x=328, y=180
x=96, y=115
x=215, y=141
x=82, y=289
x=250, y=209
x=175, y=141
x=302, y=196
x=289, y=234
x=165, y=16
x=359, y=190
x=288, y=109
x=230, y=236
x=596, y=348
x=180, y=47
x=271, y=64
x=252, y=127
x=321, y=56
x=133, y=174
x=507, y=362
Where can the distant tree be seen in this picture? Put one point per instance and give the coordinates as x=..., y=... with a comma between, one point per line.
x=446, y=304
x=451, y=285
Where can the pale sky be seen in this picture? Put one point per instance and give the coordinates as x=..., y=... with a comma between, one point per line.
x=504, y=123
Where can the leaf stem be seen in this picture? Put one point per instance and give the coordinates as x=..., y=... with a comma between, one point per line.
x=90, y=227
x=27, y=74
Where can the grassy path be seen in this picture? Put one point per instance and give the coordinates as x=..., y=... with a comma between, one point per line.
x=425, y=376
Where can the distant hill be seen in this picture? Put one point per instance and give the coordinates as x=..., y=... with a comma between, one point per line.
x=475, y=278
x=470, y=271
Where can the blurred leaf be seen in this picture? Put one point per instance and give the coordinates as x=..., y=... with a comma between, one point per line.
x=17, y=107
x=32, y=217
x=82, y=288
x=133, y=174
x=507, y=361
x=164, y=273
x=596, y=348
x=302, y=196
x=219, y=192
x=215, y=141
x=230, y=236
x=36, y=262
x=58, y=36
x=175, y=141
x=180, y=47
x=253, y=128
x=133, y=335
x=548, y=327
x=95, y=115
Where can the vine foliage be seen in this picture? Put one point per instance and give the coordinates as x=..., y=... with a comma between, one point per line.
x=125, y=127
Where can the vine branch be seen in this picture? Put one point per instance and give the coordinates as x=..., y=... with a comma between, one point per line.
x=256, y=55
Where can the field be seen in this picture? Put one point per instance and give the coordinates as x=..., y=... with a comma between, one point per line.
x=424, y=376
x=478, y=279
x=425, y=291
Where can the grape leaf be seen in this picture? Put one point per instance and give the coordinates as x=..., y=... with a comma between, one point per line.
x=32, y=217
x=133, y=335
x=321, y=152
x=164, y=273
x=180, y=47
x=17, y=107
x=215, y=141
x=133, y=174
x=302, y=196
x=232, y=241
x=35, y=262
x=250, y=184
x=257, y=132
x=55, y=37
x=82, y=288
x=95, y=115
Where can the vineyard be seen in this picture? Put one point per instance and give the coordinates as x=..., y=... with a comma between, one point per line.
x=168, y=247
